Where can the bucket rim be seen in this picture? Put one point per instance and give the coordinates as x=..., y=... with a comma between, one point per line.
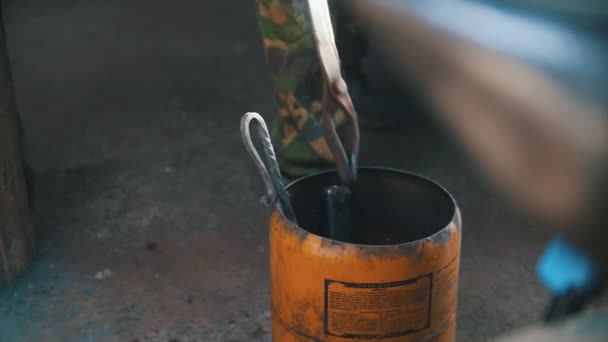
x=456, y=219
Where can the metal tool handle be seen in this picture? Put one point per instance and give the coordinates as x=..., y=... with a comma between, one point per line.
x=267, y=164
x=335, y=94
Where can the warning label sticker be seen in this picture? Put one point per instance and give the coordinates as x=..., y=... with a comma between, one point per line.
x=380, y=310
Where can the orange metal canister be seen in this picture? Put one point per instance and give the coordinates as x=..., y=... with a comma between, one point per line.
x=396, y=281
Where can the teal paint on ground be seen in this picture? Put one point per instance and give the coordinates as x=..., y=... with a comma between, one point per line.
x=25, y=304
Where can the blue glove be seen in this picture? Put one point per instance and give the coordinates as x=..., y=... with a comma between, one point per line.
x=564, y=268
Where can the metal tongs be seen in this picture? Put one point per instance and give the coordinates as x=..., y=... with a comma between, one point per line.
x=335, y=94
x=267, y=164
x=337, y=199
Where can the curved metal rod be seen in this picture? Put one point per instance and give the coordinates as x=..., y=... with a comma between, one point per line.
x=267, y=164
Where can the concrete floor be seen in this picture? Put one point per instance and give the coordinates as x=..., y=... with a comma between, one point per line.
x=131, y=110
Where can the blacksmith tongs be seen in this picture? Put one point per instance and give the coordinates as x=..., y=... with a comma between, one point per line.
x=335, y=94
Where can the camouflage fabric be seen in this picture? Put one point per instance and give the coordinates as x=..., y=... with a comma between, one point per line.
x=290, y=52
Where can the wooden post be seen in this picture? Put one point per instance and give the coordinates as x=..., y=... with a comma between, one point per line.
x=16, y=232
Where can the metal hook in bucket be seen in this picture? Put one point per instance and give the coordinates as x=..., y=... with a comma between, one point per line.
x=268, y=165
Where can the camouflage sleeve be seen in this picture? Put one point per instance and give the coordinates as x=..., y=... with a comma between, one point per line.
x=290, y=52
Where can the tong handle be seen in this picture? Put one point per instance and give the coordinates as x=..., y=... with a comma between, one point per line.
x=335, y=94
x=267, y=164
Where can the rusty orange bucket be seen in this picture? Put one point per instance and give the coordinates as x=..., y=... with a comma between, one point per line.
x=395, y=281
